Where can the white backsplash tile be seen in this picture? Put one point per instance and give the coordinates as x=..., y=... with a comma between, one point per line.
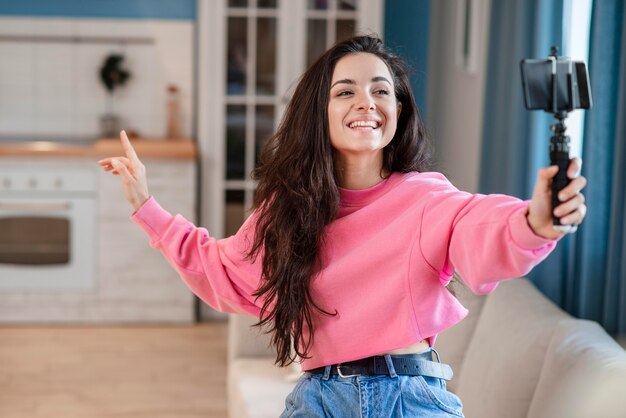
x=55, y=88
x=15, y=25
x=18, y=62
x=55, y=123
x=17, y=101
x=52, y=27
x=84, y=124
x=17, y=124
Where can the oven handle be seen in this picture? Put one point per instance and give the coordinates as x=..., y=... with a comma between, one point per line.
x=36, y=206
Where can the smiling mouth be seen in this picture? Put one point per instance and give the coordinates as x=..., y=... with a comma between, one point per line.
x=370, y=124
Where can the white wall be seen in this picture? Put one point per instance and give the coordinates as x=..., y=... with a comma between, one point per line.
x=455, y=93
x=52, y=89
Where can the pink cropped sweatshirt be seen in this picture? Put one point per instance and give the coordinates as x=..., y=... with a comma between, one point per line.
x=386, y=261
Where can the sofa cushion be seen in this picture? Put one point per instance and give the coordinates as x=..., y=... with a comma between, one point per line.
x=504, y=358
x=452, y=343
x=257, y=388
x=584, y=374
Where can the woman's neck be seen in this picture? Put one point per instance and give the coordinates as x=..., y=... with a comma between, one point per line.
x=358, y=174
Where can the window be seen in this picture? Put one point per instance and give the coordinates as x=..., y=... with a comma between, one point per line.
x=576, y=26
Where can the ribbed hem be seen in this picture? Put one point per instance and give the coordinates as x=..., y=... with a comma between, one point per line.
x=152, y=218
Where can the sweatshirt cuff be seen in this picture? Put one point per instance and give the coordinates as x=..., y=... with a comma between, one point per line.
x=152, y=218
x=522, y=234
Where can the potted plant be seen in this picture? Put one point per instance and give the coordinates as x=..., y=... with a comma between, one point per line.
x=112, y=76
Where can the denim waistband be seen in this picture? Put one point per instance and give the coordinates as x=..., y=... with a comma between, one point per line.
x=418, y=364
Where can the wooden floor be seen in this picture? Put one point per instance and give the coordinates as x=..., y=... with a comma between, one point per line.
x=126, y=372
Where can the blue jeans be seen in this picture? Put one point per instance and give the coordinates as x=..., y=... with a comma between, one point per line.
x=380, y=396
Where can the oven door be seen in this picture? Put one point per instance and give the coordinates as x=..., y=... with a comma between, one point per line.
x=47, y=244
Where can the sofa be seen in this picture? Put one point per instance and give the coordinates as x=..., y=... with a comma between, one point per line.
x=515, y=355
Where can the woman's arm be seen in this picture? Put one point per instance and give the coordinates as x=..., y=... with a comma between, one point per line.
x=215, y=270
x=489, y=238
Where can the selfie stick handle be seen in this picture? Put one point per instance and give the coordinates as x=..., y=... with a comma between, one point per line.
x=559, y=142
x=559, y=155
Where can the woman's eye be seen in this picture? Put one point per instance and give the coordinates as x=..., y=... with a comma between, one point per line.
x=382, y=91
x=344, y=93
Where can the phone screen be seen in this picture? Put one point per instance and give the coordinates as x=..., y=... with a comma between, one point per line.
x=537, y=84
x=538, y=88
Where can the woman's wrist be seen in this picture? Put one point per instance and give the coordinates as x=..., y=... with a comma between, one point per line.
x=545, y=231
x=138, y=203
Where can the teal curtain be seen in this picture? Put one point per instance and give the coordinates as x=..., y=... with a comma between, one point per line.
x=515, y=141
x=407, y=26
x=586, y=274
x=599, y=290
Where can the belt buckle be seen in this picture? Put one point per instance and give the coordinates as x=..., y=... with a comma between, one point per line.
x=344, y=375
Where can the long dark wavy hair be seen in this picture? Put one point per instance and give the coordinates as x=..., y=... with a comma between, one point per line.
x=297, y=194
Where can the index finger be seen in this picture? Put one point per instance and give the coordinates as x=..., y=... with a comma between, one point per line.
x=128, y=148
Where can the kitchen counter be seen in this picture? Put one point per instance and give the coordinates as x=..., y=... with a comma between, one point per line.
x=179, y=149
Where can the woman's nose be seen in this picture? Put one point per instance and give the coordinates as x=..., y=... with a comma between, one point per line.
x=366, y=105
x=366, y=102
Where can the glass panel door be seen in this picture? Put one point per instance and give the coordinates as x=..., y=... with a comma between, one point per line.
x=253, y=104
x=329, y=21
x=251, y=99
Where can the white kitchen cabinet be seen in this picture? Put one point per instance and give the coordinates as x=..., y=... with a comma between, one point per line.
x=133, y=276
x=133, y=283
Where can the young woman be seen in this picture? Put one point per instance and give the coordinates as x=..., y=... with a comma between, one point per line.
x=352, y=242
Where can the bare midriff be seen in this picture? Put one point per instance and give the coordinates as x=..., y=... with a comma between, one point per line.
x=415, y=348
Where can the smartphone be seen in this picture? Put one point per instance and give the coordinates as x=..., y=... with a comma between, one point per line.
x=571, y=91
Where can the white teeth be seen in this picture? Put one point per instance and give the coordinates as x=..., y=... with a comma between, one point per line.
x=363, y=123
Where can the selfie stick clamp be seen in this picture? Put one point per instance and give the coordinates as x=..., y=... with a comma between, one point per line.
x=559, y=143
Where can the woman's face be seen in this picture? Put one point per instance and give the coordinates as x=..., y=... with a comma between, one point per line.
x=362, y=109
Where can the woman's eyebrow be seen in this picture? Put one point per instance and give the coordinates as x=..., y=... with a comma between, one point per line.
x=349, y=81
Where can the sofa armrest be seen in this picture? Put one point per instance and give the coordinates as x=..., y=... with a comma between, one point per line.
x=583, y=375
x=507, y=350
x=244, y=340
x=257, y=388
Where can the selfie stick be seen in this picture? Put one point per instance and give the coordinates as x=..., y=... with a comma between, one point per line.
x=559, y=142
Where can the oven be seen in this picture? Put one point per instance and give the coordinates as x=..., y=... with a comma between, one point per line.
x=47, y=229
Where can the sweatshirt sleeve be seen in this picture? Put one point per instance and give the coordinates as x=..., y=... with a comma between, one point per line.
x=215, y=270
x=485, y=238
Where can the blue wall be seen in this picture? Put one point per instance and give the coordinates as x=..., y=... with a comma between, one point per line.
x=407, y=24
x=118, y=9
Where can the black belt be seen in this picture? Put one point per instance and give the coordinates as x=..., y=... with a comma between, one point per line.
x=406, y=364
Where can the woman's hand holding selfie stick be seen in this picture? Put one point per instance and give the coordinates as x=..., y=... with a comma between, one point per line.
x=571, y=210
x=557, y=85
x=132, y=171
